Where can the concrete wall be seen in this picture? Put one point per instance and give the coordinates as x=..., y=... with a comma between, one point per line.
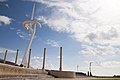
x=62, y=74
x=9, y=69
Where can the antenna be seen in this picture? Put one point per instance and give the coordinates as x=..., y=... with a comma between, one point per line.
x=90, y=73
x=28, y=24
x=33, y=11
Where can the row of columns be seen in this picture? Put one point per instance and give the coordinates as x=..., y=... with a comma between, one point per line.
x=30, y=51
x=6, y=52
x=44, y=57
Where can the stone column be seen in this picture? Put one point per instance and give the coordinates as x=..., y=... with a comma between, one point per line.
x=5, y=56
x=60, y=59
x=16, y=58
x=29, y=59
x=43, y=68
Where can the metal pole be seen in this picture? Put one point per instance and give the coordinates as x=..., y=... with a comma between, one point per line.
x=43, y=68
x=29, y=58
x=90, y=69
x=60, y=58
x=16, y=58
x=5, y=56
x=77, y=67
x=90, y=66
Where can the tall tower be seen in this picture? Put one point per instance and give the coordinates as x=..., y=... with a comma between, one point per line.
x=90, y=73
x=30, y=25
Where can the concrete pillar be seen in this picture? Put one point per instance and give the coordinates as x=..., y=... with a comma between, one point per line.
x=60, y=59
x=43, y=68
x=16, y=58
x=5, y=56
x=29, y=59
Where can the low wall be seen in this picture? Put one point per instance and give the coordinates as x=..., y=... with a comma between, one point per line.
x=9, y=69
x=16, y=75
x=62, y=74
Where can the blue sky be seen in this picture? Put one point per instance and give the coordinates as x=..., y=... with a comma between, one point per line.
x=88, y=31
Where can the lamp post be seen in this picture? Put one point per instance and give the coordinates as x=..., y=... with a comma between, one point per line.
x=77, y=67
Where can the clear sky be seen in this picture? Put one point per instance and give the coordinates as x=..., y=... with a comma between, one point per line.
x=88, y=31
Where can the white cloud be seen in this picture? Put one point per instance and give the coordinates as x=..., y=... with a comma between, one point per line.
x=35, y=57
x=112, y=64
x=23, y=34
x=12, y=28
x=2, y=50
x=6, y=20
x=37, y=62
x=42, y=18
x=99, y=50
x=27, y=15
x=7, y=5
x=3, y=0
x=53, y=43
x=58, y=57
x=90, y=22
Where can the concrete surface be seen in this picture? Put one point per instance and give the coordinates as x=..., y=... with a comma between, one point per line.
x=9, y=69
x=62, y=74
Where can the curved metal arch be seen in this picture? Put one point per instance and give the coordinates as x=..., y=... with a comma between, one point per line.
x=31, y=22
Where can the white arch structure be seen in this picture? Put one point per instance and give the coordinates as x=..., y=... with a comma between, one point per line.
x=28, y=24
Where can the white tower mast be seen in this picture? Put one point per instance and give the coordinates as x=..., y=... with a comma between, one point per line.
x=28, y=25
